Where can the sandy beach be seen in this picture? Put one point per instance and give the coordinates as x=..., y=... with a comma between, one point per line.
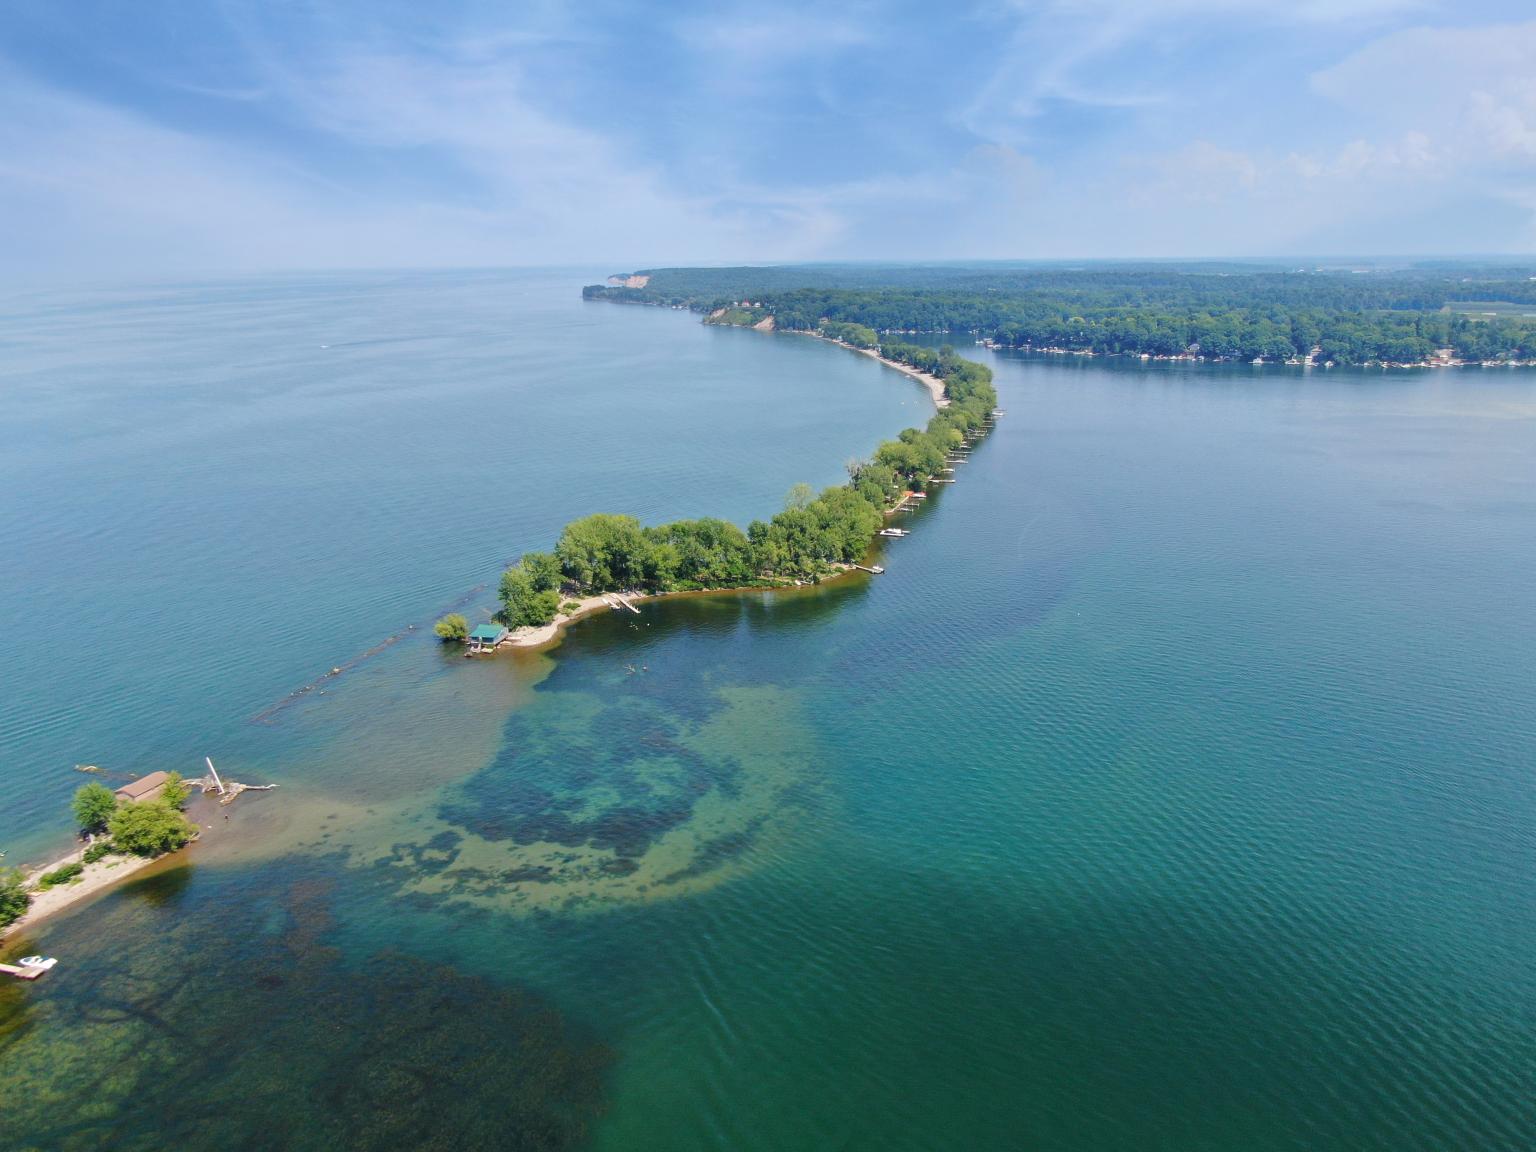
x=96, y=878
x=934, y=385
x=546, y=635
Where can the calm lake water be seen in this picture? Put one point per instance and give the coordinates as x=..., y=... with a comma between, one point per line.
x=1172, y=790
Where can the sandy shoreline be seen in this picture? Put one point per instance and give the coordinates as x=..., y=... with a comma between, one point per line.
x=546, y=635
x=934, y=385
x=96, y=879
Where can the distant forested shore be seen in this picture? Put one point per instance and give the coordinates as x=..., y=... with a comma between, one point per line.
x=1434, y=313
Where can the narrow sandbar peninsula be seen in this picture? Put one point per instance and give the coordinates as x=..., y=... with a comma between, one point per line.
x=607, y=562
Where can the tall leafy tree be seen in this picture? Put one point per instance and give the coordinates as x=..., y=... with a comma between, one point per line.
x=93, y=806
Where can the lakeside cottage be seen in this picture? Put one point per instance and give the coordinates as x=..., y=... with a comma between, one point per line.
x=144, y=788
x=486, y=637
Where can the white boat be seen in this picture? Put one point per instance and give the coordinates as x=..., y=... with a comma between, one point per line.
x=41, y=963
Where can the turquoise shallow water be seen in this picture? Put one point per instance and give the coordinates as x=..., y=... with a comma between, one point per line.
x=1172, y=790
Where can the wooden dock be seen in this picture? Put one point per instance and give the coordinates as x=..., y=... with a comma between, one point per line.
x=22, y=973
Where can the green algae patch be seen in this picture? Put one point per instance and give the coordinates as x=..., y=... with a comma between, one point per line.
x=238, y=1025
x=594, y=802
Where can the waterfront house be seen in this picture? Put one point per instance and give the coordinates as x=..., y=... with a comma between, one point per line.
x=485, y=637
x=144, y=788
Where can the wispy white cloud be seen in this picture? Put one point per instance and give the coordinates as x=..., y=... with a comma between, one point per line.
x=1071, y=128
x=1073, y=50
x=114, y=189
x=1471, y=91
x=761, y=37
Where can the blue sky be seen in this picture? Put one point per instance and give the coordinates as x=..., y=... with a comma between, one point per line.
x=171, y=136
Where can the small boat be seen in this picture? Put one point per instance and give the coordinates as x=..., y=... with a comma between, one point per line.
x=877, y=570
x=41, y=963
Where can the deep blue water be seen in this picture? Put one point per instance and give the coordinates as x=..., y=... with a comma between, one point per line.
x=1171, y=790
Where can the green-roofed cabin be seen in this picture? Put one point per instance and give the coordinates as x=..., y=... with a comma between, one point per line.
x=485, y=637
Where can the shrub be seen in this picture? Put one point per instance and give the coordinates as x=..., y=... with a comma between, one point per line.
x=60, y=875
x=97, y=850
x=175, y=791
x=93, y=806
x=570, y=606
x=452, y=627
x=14, y=896
x=149, y=829
x=523, y=603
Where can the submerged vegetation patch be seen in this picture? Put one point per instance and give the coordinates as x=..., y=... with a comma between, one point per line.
x=236, y=1024
x=596, y=800
x=617, y=783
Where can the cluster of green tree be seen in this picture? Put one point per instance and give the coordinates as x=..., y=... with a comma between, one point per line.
x=915, y=456
x=14, y=897
x=814, y=532
x=742, y=317
x=613, y=553
x=854, y=335
x=143, y=828
x=1227, y=312
x=148, y=828
x=963, y=379
x=452, y=627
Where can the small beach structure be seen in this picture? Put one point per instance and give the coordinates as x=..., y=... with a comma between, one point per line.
x=486, y=637
x=30, y=967
x=144, y=788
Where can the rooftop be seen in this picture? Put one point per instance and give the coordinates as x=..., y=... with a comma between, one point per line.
x=143, y=787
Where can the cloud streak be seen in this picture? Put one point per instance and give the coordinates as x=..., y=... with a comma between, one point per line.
x=341, y=138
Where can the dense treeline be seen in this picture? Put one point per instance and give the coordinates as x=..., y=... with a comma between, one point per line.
x=812, y=536
x=1216, y=311
x=1423, y=287
x=854, y=335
